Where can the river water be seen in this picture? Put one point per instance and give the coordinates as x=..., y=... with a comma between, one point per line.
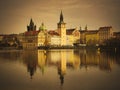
x=59, y=70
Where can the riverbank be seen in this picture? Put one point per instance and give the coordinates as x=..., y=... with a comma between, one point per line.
x=11, y=48
x=106, y=48
x=100, y=48
x=56, y=47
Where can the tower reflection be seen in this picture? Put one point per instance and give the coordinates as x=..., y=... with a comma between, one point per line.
x=31, y=61
x=42, y=61
x=62, y=60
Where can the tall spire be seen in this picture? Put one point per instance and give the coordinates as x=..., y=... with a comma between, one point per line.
x=86, y=28
x=31, y=22
x=61, y=17
x=80, y=28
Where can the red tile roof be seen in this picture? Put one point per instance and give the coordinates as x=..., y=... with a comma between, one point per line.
x=69, y=31
x=116, y=33
x=89, y=31
x=92, y=32
x=105, y=28
x=34, y=32
x=52, y=32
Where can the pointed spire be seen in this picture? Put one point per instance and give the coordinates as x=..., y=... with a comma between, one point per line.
x=80, y=28
x=86, y=28
x=31, y=22
x=61, y=17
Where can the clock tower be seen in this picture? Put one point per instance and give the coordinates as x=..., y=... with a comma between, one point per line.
x=62, y=30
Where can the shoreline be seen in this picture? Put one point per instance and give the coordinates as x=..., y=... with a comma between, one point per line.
x=65, y=47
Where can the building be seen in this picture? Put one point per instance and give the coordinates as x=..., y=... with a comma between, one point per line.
x=1, y=38
x=73, y=36
x=53, y=38
x=62, y=30
x=20, y=38
x=63, y=36
x=9, y=40
x=116, y=35
x=42, y=35
x=105, y=33
x=30, y=40
x=82, y=37
x=33, y=38
x=41, y=38
x=91, y=37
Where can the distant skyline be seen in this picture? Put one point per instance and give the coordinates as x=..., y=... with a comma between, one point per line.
x=15, y=15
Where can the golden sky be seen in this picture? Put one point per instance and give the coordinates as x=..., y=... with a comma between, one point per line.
x=16, y=14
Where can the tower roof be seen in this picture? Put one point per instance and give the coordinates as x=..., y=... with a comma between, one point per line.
x=86, y=27
x=31, y=22
x=42, y=27
x=61, y=17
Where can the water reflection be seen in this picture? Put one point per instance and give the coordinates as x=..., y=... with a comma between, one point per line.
x=30, y=60
x=67, y=59
x=96, y=59
x=63, y=61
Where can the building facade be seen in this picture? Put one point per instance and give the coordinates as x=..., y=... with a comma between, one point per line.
x=53, y=38
x=90, y=37
x=73, y=36
x=33, y=38
x=105, y=33
x=63, y=36
x=116, y=35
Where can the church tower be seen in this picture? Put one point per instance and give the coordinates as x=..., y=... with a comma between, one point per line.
x=31, y=26
x=62, y=30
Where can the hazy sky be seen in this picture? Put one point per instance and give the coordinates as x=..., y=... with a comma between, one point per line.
x=16, y=14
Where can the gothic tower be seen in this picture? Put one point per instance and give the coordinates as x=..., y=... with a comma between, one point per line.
x=62, y=30
x=31, y=26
